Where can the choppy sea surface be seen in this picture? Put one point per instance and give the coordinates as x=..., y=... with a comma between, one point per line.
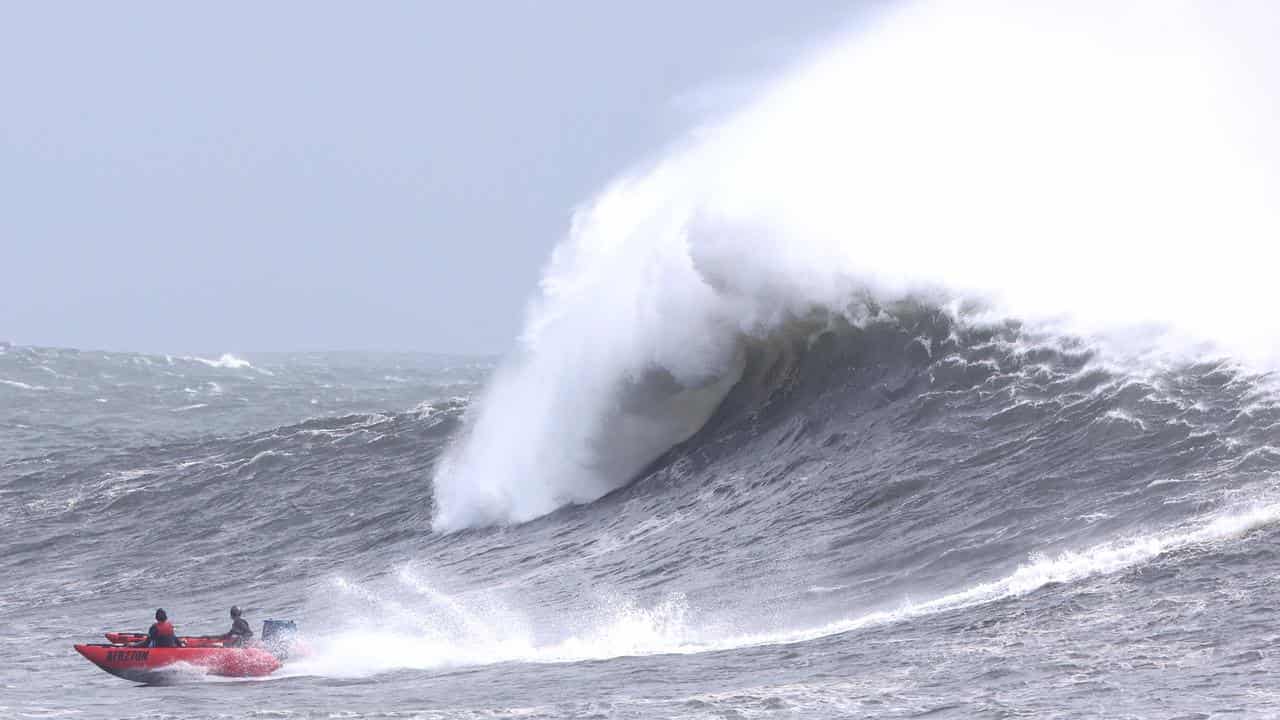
x=902, y=519
x=936, y=380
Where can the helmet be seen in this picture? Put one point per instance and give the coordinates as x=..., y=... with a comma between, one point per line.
x=160, y=615
x=235, y=611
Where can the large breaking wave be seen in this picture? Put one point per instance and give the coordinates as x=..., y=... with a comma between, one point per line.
x=1103, y=171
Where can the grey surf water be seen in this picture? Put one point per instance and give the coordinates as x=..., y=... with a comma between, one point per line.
x=937, y=381
x=889, y=520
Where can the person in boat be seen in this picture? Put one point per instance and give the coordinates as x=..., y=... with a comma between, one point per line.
x=240, y=632
x=161, y=633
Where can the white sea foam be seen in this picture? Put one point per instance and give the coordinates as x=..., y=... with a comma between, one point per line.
x=1124, y=417
x=1041, y=570
x=421, y=627
x=227, y=361
x=1098, y=169
x=21, y=385
x=185, y=408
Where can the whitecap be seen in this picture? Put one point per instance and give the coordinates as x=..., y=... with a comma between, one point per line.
x=21, y=385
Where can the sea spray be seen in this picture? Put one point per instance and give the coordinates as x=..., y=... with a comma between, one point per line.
x=1102, y=170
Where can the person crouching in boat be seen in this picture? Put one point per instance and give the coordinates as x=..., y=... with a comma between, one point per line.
x=240, y=632
x=161, y=633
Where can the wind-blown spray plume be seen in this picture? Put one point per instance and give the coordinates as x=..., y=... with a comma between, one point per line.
x=1102, y=167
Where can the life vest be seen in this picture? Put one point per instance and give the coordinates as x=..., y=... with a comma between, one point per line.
x=165, y=636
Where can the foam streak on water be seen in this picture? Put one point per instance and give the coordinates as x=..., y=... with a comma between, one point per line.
x=435, y=630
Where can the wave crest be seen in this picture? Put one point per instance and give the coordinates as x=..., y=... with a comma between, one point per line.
x=1097, y=172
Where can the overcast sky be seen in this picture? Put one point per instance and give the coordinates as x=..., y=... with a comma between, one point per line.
x=307, y=176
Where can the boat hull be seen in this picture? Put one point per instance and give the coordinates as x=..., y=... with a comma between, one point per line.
x=169, y=665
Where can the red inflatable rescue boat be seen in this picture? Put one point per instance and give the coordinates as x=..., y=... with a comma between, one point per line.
x=201, y=655
x=167, y=664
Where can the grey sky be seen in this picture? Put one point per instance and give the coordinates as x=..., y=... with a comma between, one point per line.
x=297, y=175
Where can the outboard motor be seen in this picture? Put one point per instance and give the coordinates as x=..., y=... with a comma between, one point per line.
x=279, y=637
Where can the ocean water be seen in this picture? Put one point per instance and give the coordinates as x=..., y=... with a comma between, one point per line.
x=938, y=381
x=890, y=520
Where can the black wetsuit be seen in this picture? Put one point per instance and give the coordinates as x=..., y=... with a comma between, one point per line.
x=240, y=632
